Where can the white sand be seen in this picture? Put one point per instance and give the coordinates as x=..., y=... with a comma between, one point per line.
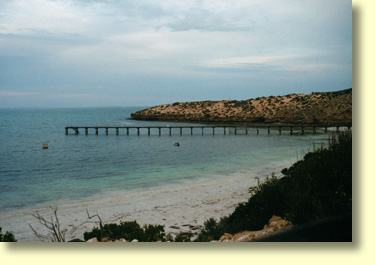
x=179, y=207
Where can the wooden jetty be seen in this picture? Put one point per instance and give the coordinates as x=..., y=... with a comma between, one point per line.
x=211, y=129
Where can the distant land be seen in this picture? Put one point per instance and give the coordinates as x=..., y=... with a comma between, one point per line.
x=315, y=108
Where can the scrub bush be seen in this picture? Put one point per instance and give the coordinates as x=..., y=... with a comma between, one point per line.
x=128, y=231
x=7, y=237
x=317, y=187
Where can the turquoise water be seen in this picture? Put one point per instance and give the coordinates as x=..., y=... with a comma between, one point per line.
x=78, y=166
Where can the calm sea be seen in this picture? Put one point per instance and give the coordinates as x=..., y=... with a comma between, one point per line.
x=78, y=166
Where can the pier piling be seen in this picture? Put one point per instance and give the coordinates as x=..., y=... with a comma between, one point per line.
x=234, y=128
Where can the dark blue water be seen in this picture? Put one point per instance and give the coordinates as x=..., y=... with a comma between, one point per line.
x=77, y=166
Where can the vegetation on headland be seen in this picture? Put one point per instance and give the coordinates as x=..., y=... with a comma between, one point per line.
x=315, y=108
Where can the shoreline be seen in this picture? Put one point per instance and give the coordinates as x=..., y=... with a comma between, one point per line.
x=182, y=207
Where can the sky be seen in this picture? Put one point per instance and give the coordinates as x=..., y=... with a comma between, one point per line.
x=92, y=53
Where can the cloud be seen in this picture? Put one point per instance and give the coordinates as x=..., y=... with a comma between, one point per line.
x=18, y=94
x=290, y=63
x=47, y=95
x=85, y=47
x=23, y=17
x=241, y=62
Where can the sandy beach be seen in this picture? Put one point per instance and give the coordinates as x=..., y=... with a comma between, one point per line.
x=179, y=207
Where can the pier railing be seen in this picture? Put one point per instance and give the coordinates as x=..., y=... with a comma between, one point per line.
x=209, y=129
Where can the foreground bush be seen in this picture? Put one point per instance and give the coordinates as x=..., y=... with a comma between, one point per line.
x=316, y=187
x=128, y=231
x=7, y=237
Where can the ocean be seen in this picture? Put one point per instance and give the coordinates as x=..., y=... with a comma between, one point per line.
x=77, y=167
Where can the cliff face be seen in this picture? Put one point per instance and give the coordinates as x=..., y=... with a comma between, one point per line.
x=323, y=108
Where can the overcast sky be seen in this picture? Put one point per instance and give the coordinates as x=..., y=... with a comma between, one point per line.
x=150, y=52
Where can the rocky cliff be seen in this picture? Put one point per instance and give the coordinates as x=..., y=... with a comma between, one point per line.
x=315, y=108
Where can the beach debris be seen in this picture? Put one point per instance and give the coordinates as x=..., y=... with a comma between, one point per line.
x=196, y=227
x=120, y=240
x=193, y=227
x=52, y=224
x=187, y=234
x=275, y=225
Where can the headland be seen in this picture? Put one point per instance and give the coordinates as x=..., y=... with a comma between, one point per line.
x=314, y=108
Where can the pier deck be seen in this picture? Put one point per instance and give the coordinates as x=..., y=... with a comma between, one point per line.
x=225, y=128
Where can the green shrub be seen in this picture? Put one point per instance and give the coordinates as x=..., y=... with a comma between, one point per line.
x=153, y=233
x=324, y=182
x=128, y=231
x=212, y=230
x=182, y=237
x=316, y=187
x=7, y=237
